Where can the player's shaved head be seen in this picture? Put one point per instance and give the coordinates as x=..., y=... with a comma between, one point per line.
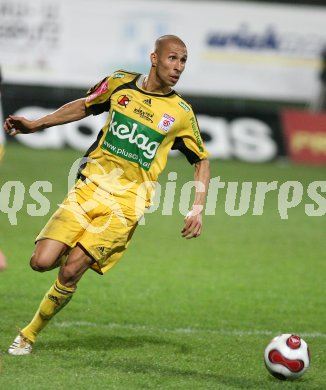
x=166, y=39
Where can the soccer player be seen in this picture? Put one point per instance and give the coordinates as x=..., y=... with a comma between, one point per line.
x=94, y=225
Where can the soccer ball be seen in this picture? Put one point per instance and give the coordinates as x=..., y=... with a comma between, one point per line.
x=287, y=356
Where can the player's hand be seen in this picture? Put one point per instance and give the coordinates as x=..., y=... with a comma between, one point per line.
x=193, y=224
x=17, y=124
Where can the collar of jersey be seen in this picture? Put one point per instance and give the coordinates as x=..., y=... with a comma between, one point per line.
x=172, y=92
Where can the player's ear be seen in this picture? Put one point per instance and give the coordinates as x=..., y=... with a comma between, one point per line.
x=154, y=59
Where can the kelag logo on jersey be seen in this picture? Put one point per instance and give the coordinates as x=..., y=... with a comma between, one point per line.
x=132, y=140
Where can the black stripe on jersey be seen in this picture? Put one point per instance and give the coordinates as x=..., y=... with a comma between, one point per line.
x=97, y=109
x=88, y=152
x=172, y=92
x=180, y=145
x=130, y=85
x=133, y=85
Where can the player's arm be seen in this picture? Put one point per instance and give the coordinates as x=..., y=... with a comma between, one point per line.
x=193, y=221
x=69, y=112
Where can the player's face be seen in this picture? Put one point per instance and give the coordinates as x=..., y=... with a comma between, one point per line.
x=170, y=62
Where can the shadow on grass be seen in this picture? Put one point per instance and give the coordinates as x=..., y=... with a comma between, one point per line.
x=156, y=368
x=107, y=343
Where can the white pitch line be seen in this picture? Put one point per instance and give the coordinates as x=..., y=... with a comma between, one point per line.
x=137, y=328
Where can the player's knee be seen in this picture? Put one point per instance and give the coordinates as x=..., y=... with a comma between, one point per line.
x=76, y=265
x=39, y=263
x=68, y=273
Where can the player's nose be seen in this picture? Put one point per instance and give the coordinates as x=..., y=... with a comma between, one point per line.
x=179, y=66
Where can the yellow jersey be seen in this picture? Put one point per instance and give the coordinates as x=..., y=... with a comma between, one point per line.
x=132, y=148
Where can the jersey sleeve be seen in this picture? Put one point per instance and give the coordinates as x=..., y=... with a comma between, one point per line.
x=189, y=140
x=98, y=97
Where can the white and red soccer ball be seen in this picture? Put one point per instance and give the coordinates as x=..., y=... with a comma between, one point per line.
x=287, y=356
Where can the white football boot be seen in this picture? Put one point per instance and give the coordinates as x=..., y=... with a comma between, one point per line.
x=20, y=346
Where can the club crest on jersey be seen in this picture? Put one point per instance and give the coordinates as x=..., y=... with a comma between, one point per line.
x=166, y=122
x=103, y=87
x=123, y=100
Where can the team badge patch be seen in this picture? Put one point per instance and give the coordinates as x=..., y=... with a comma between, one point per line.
x=101, y=89
x=123, y=100
x=166, y=122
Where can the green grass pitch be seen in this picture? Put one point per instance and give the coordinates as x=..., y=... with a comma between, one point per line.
x=173, y=314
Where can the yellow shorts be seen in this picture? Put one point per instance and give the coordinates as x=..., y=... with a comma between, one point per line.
x=95, y=220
